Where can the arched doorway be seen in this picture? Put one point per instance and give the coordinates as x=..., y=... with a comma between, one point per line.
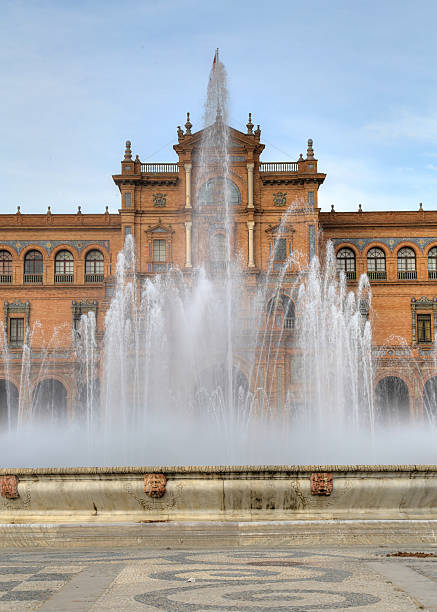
x=392, y=401
x=8, y=405
x=213, y=392
x=50, y=401
x=430, y=399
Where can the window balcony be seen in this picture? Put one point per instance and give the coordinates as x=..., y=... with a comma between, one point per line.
x=33, y=279
x=432, y=274
x=63, y=278
x=94, y=278
x=159, y=268
x=351, y=275
x=381, y=275
x=5, y=279
x=407, y=274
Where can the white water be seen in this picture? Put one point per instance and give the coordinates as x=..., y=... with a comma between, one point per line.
x=192, y=369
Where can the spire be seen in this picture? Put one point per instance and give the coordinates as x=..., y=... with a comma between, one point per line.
x=188, y=125
x=216, y=58
x=249, y=125
x=128, y=152
x=310, y=150
x=257, y=133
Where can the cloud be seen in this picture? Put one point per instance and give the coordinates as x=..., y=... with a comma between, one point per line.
x=406, y=125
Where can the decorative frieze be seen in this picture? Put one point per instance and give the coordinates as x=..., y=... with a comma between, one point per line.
x=9, y=487
x=160, y=200
x=280, y=198
x=155, y=485
x=391, y=243
x=49, y=245
x=321, y=483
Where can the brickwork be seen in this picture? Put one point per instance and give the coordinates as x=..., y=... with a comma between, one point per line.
x=158, y=202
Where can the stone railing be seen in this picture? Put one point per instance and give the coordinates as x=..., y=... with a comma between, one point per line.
x=94, y=278
x=160, y=168
x=33, y=278
x=278, y=167
x=5, y=279
x=63, y=278
x=407, y=275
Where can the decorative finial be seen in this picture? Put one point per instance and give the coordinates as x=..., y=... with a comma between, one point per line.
x=420, y=206
x=79, y=212
x=180, y=133
x=301, y=157
x=137, y=159
x=106, y=209
x=310, y=150
x=128, y=152
x=257, y=132
x=332, y=208
x=188, y=125
x=18, y=210
x=359, y=208
x=49, y=212
x=249, y=125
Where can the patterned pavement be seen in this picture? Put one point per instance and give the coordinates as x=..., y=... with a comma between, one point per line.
x=249, y=580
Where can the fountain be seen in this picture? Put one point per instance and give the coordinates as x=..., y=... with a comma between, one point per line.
x=191, y=371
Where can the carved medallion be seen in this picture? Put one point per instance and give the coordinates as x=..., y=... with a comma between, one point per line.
x=159, y=200
x=321, y=483
x=280, y=198
x=154, y=485
x=9, y=487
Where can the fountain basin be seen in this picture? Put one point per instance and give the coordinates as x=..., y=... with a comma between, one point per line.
x=221, y=493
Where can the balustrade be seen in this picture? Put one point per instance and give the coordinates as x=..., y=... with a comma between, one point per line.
x=5, y=278
x=407, y=274
x=278, y=167
x=63, y=278
x=35, y=279
x=94, y=278
x=377, y=275
x=160, y=168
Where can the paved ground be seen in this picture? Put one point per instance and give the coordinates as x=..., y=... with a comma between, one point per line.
x=289, y=579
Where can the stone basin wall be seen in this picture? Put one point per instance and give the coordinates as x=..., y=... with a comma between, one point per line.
x=225, y=493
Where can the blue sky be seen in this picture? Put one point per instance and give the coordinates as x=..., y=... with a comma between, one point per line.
x=79, y=78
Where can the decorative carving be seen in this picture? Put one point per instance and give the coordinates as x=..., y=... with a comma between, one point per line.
x=280, y=198
x=160, y=200
x=321, y=483
x=155, y=485
x=391, y=243
x=9, y=487
x=80, y=307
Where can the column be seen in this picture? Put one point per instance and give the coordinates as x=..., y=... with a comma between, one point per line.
x=188, y=185
x=188, y=244
x=250, y=167
x=250, y=226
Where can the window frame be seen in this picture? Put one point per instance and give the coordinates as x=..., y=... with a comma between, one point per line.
x=426, y=337
x=349, y=269
x=16, y=325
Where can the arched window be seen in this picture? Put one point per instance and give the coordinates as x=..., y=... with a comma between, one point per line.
x=50, y=401
x=8, y=405
x=392, y=401
x=33, y=267
x=218, y=192
x=376, y=264
x=94, y=267
x=281, y=312
x=430, y=400
x=432, y=263
x=346, y=262
x=64, y=267
x=406, y=264
x=5, y=267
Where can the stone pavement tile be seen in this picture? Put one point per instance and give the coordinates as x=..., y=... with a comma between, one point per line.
x=189, y=582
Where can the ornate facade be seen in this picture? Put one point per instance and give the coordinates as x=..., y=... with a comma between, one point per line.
x=55, y=267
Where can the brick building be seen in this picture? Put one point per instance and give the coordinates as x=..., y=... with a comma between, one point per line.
x=53, y=268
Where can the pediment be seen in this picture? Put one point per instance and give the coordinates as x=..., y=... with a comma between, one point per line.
x=237, y=140
x=159, y=228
